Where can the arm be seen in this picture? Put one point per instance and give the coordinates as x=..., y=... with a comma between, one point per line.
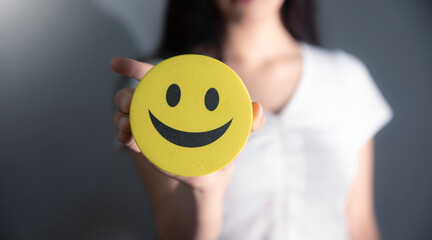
x=182, y=211
x=183, y=207
x=360, y=207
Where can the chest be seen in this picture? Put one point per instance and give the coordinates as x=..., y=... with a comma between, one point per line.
x=271, y=85
x=294, y=177
x=287, y=153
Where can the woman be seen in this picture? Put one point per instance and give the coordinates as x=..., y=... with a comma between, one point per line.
x=307, y=173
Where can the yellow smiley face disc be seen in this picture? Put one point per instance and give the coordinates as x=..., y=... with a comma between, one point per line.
x=191, y=115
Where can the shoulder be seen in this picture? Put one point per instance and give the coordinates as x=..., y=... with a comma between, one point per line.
x=335, y=71
x=346, y=86
x=334, y=61
x=340, y=81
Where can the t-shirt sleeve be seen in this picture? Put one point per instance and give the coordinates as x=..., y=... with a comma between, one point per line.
x=367, y=110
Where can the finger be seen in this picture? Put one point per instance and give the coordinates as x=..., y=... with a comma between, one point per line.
x=129, y=67
x=132, y=145
x=123, y=98
x=258, y=116
x=123, y=137
x=127, y=140
x=263, y=119
x=121, y=121
x=116, y=116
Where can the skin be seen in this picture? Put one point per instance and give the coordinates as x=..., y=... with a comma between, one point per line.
x=191, y=207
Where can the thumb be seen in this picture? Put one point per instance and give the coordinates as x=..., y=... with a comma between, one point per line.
x=258, y=116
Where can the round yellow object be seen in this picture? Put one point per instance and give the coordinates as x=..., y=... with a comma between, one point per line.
x=191, y=115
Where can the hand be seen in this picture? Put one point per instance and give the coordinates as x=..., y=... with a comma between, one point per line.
x=122, y=99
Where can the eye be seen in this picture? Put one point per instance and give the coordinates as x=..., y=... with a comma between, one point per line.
x=211, y=99
x=173, y=95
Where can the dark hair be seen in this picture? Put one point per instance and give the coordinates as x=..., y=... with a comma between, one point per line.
x=193, y=23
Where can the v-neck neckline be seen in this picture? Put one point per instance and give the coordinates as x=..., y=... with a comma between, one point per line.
x=291, y=104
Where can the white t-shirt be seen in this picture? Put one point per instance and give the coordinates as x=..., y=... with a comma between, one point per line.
x=292, y=179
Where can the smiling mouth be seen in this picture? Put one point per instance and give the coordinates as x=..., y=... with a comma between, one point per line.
x=188, y=139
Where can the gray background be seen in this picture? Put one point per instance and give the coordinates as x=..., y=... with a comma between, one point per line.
x=61, y=178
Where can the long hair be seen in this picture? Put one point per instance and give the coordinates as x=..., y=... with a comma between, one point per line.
x=193, y=23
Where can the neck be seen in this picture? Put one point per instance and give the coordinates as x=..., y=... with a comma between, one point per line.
x=254, y=42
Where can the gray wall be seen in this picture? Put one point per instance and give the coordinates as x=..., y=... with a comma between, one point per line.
x=60, y=177
x=394, y=39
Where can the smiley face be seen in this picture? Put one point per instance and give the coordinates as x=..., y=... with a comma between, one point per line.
x=189, y=139
x=191, y=115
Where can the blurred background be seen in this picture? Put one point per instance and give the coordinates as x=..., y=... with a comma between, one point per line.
x=60, y=174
